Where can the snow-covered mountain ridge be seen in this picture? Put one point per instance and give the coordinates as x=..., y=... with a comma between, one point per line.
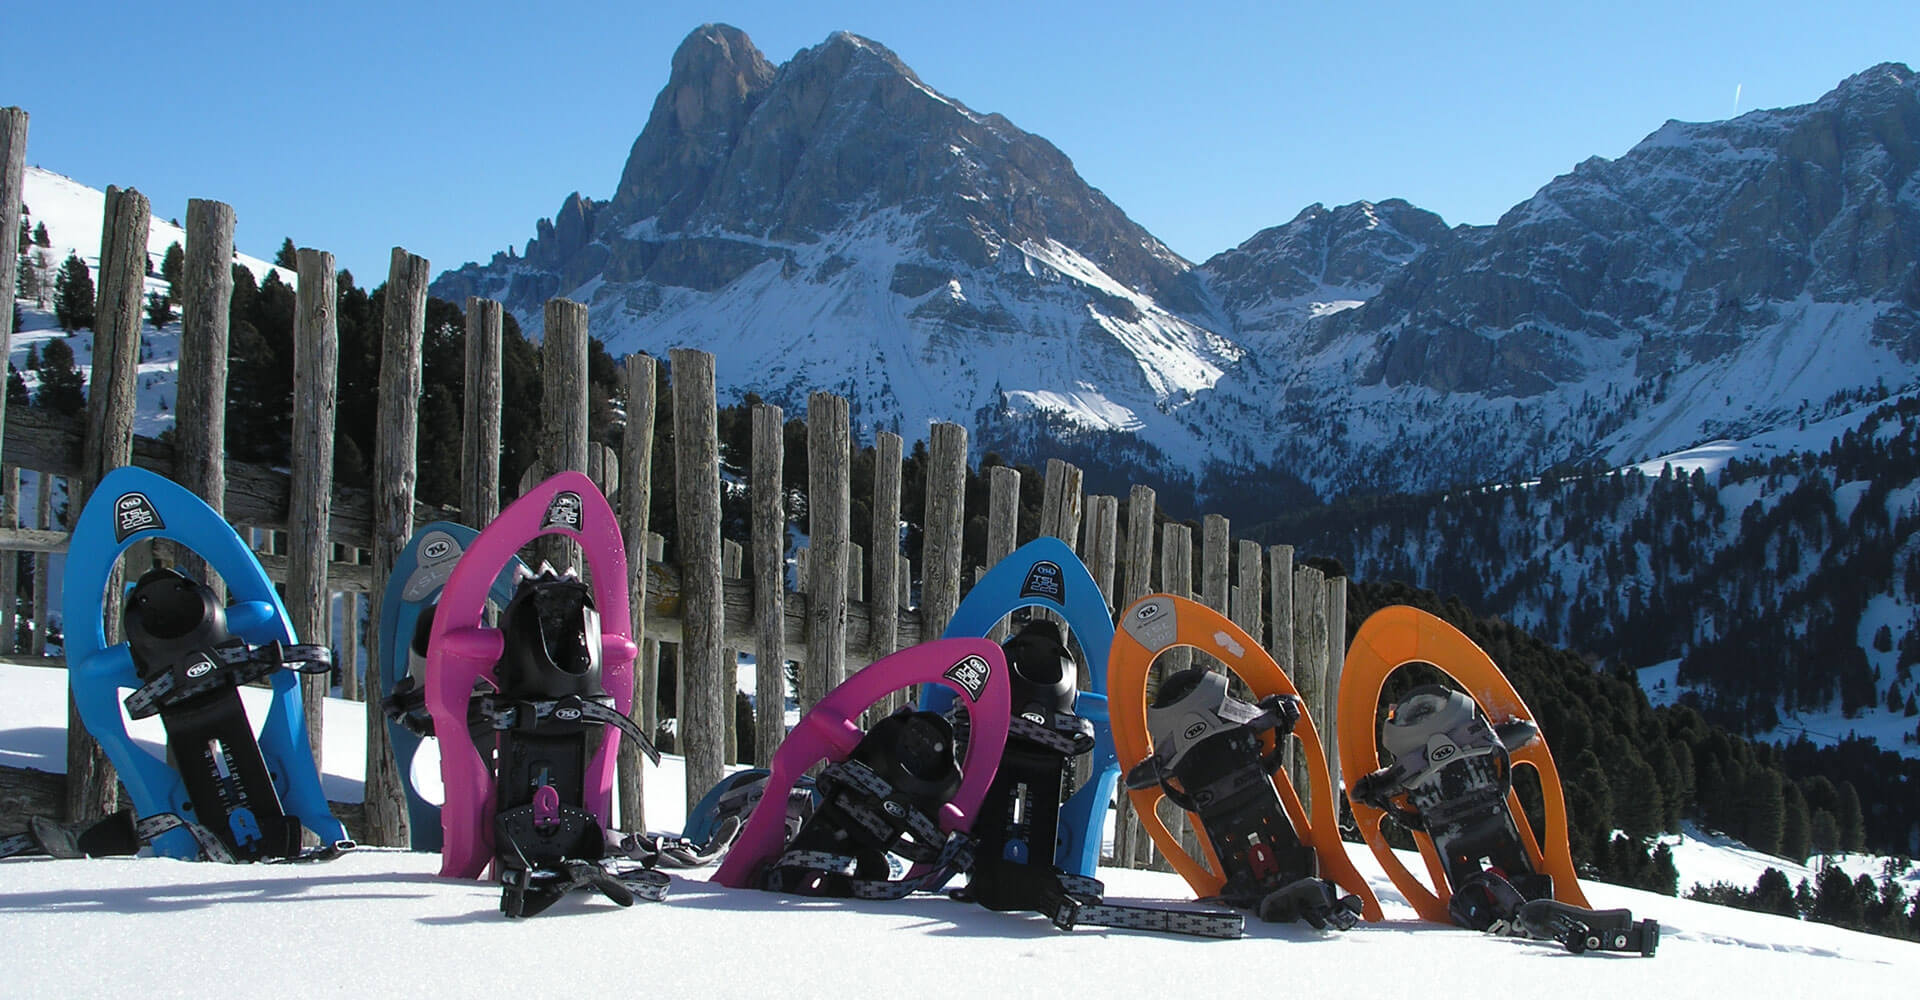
x=835, y=222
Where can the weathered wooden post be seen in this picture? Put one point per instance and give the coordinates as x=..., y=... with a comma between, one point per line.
x=9, y=563
x=349, y=658
x=480, y=419
x=563, y=408
x=732, y=557
x=395, y=474
x=316, y=387
x=1003, y=524
x=1309, y=652
x=42, y=563
x=946, y=517
x=828, y=506
x=649, y=665
x=638, y=373
x=200, y=410
x=1060, y=502
x=1130, y=843
x=1102, y=537
x=1280, y=643
x=883, y=609
x=1176, y=577
x=1215, y=550
x=1249, y=597
x=91, y=791
x=13, y=175
x=769, y=503
x=702, y=622
x=1328, y=720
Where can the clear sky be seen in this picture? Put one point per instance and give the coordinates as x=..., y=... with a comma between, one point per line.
x=450, y=128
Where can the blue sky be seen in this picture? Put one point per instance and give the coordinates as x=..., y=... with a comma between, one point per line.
x=449, y=129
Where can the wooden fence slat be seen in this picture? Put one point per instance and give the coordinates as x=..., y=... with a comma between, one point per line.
x=1130, y=844
x=9, y=563
x=648, y=668
x=13, y=174
x=946, y=517
x=697, y=500
x=1309, y=653
x=769, y=506
x=480, y=417
x=200, y=397
x=1003, y=524
x=42, y=564
x=1328, y=719
x=395, y=474
x=638, y=375
x=91, y=791
x=732, y=559
x=316, y=388
x=828, y=533
x=1176, y=577
x=563, y=409
x=885, y=553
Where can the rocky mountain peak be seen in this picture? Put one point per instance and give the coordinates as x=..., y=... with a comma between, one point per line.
x=717, y=81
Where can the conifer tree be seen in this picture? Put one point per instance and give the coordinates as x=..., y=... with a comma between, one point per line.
x=287, y=258
x=63, y=389
x=73, y=297
x=159, y=310
x=170, y=265
x=1796, y=825
x=17, y=387
x=40, y=237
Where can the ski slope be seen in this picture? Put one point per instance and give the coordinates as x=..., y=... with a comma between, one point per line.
x=179, y=928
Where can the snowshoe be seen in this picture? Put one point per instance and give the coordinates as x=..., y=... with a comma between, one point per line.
x=406, y=621
x=897, y=790
x=722, y=812
x=558, y=675
x=1447, y=778
x=184, y=658
x=1219, y=758
x=116, y=836
x=1013, y=870
x=1044, y=573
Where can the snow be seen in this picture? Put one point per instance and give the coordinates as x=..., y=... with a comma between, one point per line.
x=177, y=927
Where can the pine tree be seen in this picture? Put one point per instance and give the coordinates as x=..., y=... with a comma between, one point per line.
x=63, y=389
x=17, y=388
x=1773, y=894
x=40, y=237
x=287, y=257
x=73, y=297
x=170, y=265
x=1796, y=826
x=159, y=310
x=1853, y=832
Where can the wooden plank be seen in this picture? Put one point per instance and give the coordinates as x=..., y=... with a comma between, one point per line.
x=200, y=407
x=648, y=668
x=769, y=513
x=885, y=553
x=316, y=389
x=1328, y=719
x=946, y=517
x=1131, y=846
x=109, y=444
x=637, y=379
x=829, y=505
x=42, y=565
x=480, y=416
x=13, y=174
x=395, y=472
x=563, y=409
x=1003, y=524
x=703, y=621
x=1309, y=653
x=732, y=557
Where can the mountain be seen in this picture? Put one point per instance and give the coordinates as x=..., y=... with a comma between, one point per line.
x=834, y=223
x=1718, y=280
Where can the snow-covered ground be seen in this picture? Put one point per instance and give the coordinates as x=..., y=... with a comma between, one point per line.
x=179, y=928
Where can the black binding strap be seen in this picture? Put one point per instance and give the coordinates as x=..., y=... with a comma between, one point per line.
x=886, y=819
x=229, y=664
x=502, y=712
x=117, y=835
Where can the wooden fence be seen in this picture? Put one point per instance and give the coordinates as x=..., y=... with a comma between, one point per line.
x=333, y=548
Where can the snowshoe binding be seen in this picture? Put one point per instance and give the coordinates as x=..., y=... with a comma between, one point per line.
x=1219, y=758
x=553, y=683
x=1449, y=759
x=549, y=704
x=230, y=794
x=1045, y=573
x=899, y=790
x=1014, y=865
x=118, y=835
x=406, y=623
x=1216, y=756
x=717, y=819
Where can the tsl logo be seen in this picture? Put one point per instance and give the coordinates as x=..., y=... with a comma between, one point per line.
x=1045, y=580
x=133, y=512
x=565, y=511
x=971, y=675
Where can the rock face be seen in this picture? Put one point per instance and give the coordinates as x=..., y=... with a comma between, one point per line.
x=835, y=223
